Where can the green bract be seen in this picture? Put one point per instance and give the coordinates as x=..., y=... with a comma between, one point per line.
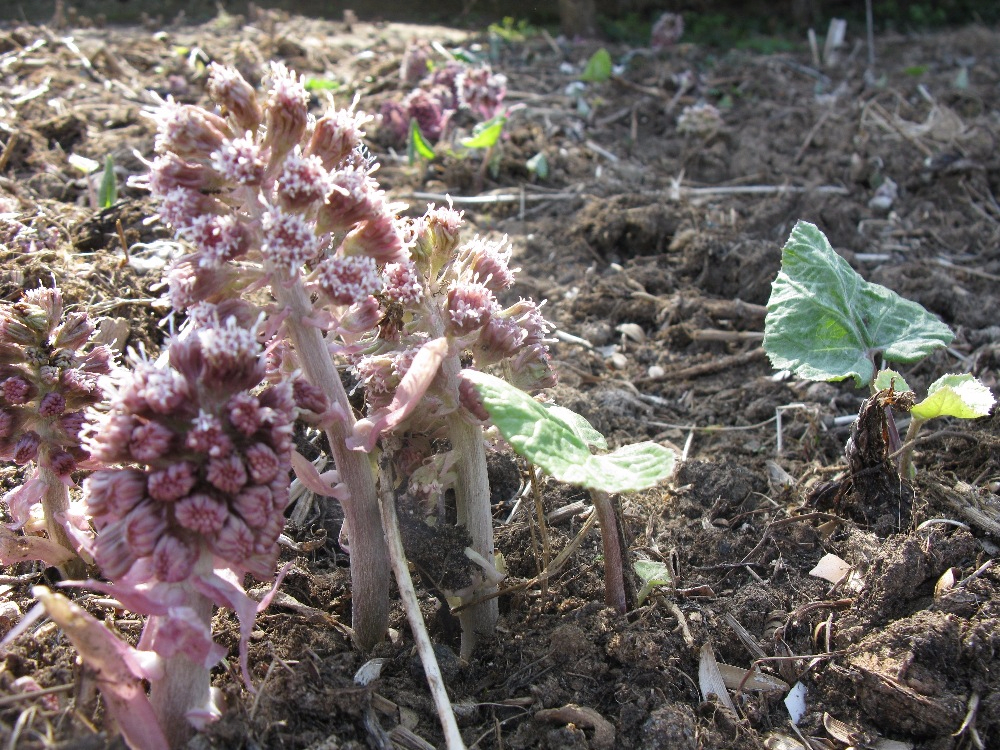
x=417, y=145
x=825, y=322
x=108, y=193
x=558, y=441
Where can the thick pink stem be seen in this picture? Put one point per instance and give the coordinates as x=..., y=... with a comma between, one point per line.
x=370, y=570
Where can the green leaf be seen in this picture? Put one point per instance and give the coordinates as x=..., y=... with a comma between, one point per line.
x=539, y=165
x=653, y=573
x=598, y=68
x=961, y=396
x=416, y=144
x=579, y=424
x=321, y=84
x=486, y=134
x=825, y=322
x=554, y=445
x=108, y=193
x=887, y=378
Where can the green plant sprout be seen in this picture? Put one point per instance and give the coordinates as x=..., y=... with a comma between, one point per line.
x=959, y=396
x=652, y=574
x=598, y=68
x=825, y=322
x=559, y=442
x=108, y=192
x=538, y=165
x=417, y=145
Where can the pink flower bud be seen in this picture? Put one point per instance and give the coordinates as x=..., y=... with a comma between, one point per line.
x=111, y=552
x=262, y=462
x=180, y=206
x=78, y=383
x=228, y=88
x=666, y=31
x=361, y=317
x=244, y=413
x=201, y=513
x=26, y=447
x=416, y=62
x=353, y=196
x=114, y=492
x=16, y=390
x=53, y=404
x=402, y=283
x=172, y=483
x=286, y=111
x=239, y=161
x=255, y=506
x=379, y=237
x=531, y=369
x=308, y=397
x=469, y=398
x=170, y=173
x=7, y=424
x=437, y=234
x=528, y=316
x=348, y=279
x=73, y=333
x=289, y=240
x=14, y=332
x=208, y=437
x=235, y=543
x=470, y=306
x=488, y=262
x=144, y=528
x=336, y=135
x=302, y=182
x=482, y=91
x=109, y=439
x=150, y=441
x=174, y=559
x=218, y=238
x=189, y=132
x=500, y=337
x=267, y=537
x=72, y=422
x=48, y=301
x=97, y=361
x=62, y=463
x=227, y=474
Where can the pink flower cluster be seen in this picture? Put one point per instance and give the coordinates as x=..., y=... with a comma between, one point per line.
x=441, y=91
x=264, y=190
x=47, y=381
x=205, y=458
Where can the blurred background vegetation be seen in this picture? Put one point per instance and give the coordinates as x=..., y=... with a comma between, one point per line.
x=760, y=24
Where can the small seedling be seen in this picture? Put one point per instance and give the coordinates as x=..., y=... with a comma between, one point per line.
x=538, y=165
x=652, y=574
x=959, y=396
x=559, y=442
x=108, y=192
x=417, y=145
x=598, y=68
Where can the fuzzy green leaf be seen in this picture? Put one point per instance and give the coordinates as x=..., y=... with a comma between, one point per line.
x=887, y=378
x=598, y=68
x=108, y=193
x=653, y=573
x=825, y=322
x=539, y=165
x=961, y=396
x=416, y=144
x=547, y=440
x=486, y=134
x=579, y=424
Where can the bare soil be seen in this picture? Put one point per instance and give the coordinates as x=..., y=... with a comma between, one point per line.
x=655, y=250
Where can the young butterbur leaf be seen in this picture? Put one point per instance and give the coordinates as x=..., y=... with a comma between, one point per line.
x=556, y=446
x=108, y=193
x=652, y=574
x=961, y=396
x=417, y=145
x=890, y=378
x=825, y=322
x=598, y=68
x=579, y=424
x=539, y=165
x=321, y=84
x=486, y=134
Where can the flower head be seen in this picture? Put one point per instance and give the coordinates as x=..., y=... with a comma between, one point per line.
x=347, y=279
x=470, y=305
x=228, y=88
